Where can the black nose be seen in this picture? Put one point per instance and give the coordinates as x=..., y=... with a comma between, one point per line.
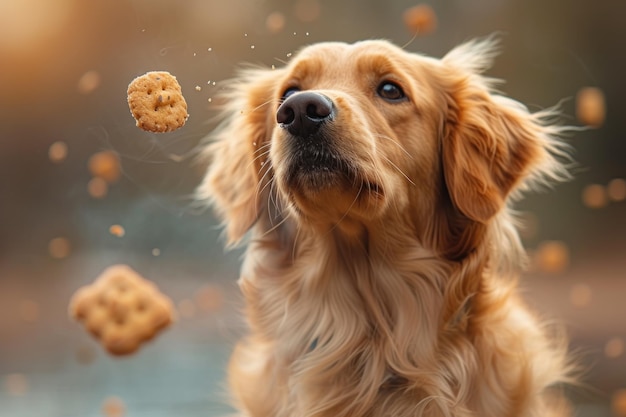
x=302, y=114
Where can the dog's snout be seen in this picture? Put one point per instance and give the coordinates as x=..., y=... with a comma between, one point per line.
x=302, y=114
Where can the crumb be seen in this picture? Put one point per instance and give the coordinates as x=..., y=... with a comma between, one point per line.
x=595, y=196
x=57, y=152
x=590, y=106
x=97, y=188
x=209, y=298
x=420, y=19
x=552, y=257
x=105, y=165
x=59, y=248
x=113, y=407
x=117, y=230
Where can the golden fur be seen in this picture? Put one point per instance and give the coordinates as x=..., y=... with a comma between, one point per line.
x=387, y=288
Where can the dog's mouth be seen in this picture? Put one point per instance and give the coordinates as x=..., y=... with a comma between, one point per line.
x=315, y=167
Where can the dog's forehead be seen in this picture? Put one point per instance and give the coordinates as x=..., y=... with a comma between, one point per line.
x=378, y=55
x=347, y=49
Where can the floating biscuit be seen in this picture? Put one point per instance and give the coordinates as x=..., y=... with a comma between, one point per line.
x=156, y=102
x=122, y=309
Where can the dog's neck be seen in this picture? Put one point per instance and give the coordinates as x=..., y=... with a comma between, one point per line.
x=384, y=276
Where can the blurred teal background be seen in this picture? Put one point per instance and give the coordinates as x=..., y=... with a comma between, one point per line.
x=64, y=69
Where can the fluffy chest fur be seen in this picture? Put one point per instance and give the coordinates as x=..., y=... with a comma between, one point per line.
x=338, y=330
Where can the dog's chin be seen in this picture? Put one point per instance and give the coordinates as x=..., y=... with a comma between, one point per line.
x=335, y=190
x=317, y=181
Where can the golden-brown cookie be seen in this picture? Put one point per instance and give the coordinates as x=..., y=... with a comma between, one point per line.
x=156, y=102
x=122, y=309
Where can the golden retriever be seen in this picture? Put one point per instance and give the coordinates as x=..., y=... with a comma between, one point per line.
x=379, y=278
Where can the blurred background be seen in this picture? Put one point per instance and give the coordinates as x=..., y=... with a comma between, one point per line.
x=81, y=188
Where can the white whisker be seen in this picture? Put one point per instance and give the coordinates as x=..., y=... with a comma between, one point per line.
x=390, y=162
x=263, y=104
x=395, y=142
x=261, y=155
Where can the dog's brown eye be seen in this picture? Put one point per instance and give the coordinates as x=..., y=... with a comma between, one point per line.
x=288, y=92
x=390, y=91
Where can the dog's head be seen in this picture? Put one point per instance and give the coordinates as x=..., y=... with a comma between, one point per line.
x=350, y=135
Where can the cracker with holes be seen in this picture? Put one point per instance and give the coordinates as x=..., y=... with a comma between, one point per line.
x=122, y=309
x=156, y=102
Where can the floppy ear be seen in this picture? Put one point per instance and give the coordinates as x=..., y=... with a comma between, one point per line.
x=492, y=146
x=238, y=150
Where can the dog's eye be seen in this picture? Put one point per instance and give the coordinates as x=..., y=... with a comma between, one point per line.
x=390, y=91
x=288, y=92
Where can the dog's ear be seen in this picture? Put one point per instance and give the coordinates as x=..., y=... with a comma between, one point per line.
x=492, y=146
x=238, y=150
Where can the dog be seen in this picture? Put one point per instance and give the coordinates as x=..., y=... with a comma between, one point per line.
x=373, y=188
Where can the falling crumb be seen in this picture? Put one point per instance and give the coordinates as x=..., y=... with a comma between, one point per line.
x=29, y=311
x=552, y=257
x=210, y=49
x=97, y=188
x=113, y=407
x=420, y=19
x=251, y=46
x=89, y=82
x=209, y=298
x=117, y=230
x=618, y=403
x=187, y=308
x=590, y=106
x=198, y=88
x=275, y=22
x=57, y=152
x=595, y=196
x=307, y=10
x=16, y=385
x=156, y=252
x=614, y=347
x=580, y=295
x=105, y=165
x=209, y=99
x=616, y=190
x=59, y=248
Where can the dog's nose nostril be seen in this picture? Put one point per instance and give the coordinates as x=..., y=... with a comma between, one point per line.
x=285, y=115
x=302, y=114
